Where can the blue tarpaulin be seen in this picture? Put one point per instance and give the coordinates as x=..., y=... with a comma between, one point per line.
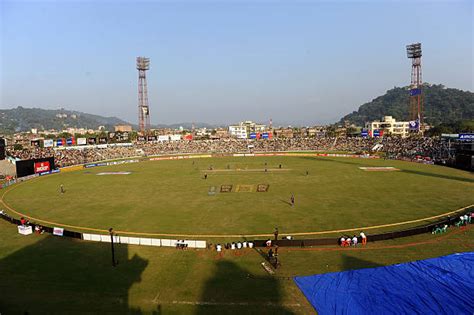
x=443, y=285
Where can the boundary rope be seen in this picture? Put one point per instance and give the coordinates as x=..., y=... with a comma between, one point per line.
x=82, y=228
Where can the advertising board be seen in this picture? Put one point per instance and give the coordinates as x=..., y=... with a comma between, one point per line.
x=41, y=167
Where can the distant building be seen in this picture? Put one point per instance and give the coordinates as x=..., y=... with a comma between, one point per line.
x=238, y=131
x=245, y=128
x=340, y=131
x=320, y=131
x=123, y=128
x=73, y=131
x=388, y=126
x=221, y=133
x=284, y=132
x=202, y=132
x=308, y=132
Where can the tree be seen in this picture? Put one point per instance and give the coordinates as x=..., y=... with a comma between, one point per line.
x=17, y=147
x=441, y=105
x=464, y=126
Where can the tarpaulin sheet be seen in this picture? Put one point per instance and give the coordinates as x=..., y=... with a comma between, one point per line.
x=443, y=285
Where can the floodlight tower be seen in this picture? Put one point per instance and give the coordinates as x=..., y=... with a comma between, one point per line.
x=143, y=64
x=416, y=96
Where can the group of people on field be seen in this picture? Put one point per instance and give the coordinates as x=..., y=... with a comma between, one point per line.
x=233, y=246
x=347, y=241
x=38, y=228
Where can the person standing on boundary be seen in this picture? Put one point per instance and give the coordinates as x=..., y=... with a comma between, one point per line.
x=354, y=241
x=268, y=243
x=364, y=238
x=276, y=234
x=292, y=200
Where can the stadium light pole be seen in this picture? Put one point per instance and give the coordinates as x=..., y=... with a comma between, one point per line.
x=416, y=94
x=111, y=231
x=143, y=64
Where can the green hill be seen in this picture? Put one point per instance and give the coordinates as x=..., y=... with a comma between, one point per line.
x=442, y=105
x=23, y=119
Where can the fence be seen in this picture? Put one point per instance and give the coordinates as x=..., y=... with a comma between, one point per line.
x=117, y=238
x=427, y=228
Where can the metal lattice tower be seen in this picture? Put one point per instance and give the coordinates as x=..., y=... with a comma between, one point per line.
x=143, y=64
x=416, y=93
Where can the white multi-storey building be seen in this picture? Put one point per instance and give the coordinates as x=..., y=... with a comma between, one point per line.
x=245, y=128
x=389, y=126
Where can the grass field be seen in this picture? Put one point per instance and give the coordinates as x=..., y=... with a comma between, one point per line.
x=47, y=274
x=53, y=275
x=172, y=196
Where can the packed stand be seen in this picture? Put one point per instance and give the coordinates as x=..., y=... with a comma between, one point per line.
x=407, y=148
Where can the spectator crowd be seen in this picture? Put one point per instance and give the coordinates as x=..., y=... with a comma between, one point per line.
x=400, y=148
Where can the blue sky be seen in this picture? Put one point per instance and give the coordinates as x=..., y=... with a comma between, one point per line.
x=305, y=62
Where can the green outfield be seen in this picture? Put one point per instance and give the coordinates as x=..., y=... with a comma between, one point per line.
x=53, y=275
x=172, y=196
x=44, y=274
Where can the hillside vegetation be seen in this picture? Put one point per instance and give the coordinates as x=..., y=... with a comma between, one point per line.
x=442, y=105
x=23, y=119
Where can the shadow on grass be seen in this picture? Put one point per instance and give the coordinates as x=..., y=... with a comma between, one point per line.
x=233, y=290
x=66, y=276
x=350, y=263
x=450, y=177
x=286, y=201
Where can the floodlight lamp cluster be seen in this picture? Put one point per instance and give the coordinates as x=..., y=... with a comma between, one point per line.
x=143, y=63
x=414, y=50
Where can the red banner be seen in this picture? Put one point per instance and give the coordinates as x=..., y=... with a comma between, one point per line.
x=41, y=167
